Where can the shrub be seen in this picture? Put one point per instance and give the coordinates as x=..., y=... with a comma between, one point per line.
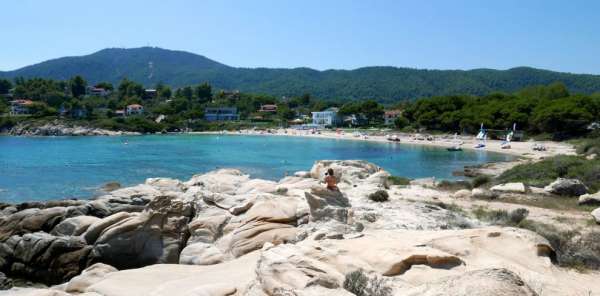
x=544, y=172
x=453, y=185
x=518, y=215
x=397, y=180
x=359, y=284
x=379, y=196
x=480, y=180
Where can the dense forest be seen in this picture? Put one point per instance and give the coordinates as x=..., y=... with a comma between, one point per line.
x=150, y=66
x=549, y=110
x=538, y=110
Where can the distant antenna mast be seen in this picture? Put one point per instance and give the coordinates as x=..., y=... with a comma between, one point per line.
x=150, y=70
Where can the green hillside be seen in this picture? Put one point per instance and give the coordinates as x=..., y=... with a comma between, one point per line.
x=148, y=65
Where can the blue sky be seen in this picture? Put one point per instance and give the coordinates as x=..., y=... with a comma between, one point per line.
x=444, y=34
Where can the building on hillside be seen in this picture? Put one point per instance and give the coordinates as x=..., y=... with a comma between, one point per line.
x=97, y=91
x=77, y=112
x=390, y=116
x=329, y=117
x=150, y=93
x=120, y=113
x=134, y=109
x=20, y=107
x=221, y=114
x=269, y=108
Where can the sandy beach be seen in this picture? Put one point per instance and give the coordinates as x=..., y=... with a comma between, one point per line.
x=521, y=149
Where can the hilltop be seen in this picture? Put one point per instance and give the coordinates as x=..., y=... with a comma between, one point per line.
x=151, y=65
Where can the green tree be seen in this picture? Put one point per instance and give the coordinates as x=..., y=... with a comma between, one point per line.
x=105, y=85
x=78, y=86
x=5, y=86
x=203, y=92
x=401, y=122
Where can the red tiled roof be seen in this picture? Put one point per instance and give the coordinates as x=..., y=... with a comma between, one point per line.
x=22, y=102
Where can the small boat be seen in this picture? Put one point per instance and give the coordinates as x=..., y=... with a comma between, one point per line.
x=393, y=138
x=454, y=148
x=480, y=145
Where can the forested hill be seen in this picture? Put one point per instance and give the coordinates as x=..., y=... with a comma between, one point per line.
x=150, y=65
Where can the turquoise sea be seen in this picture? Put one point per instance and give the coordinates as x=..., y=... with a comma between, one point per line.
x=42, y=168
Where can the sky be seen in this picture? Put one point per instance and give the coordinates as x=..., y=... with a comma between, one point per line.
x=335, y=34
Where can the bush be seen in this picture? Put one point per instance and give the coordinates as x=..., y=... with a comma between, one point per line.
x=544, y=172
x=397, y=180
x=588, y=146
x=480, y=180
x=359, y=284
x=379, y=196
x=453, y=185
x=518, y=215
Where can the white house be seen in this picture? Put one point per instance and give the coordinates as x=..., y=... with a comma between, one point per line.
x=329, y=117
x=20, y=107
x=390, y=116
x=97, y=91
x=134, y=109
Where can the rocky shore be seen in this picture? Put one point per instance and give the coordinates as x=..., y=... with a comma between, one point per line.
x=223, y=233
x=61, y=129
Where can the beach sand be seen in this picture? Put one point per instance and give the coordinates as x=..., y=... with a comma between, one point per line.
x=521, y=149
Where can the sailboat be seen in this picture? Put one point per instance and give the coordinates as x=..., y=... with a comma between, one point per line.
x=481, y=136
x=506, y=143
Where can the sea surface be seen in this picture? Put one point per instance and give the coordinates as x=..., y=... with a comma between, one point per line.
x=42, y=168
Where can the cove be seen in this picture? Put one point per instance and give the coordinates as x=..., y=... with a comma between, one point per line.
x=43, y=168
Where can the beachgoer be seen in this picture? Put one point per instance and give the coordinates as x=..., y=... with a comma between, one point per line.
x=331, y=180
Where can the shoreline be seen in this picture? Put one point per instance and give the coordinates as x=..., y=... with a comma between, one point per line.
x=518, y=149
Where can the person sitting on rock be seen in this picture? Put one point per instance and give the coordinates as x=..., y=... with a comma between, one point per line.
x=331, y=180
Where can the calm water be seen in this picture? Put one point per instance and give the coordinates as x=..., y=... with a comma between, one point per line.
x=39, y=168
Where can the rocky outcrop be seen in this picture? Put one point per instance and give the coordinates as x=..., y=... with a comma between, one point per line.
x=566, y=187
x=327, y=204
x=487, y=282
x=59, y=129
x=156, y=235
x=596, y=215
x=222, y=233
x=518, y=188
x=5, y=283
x=589, y=199
x=483, y=193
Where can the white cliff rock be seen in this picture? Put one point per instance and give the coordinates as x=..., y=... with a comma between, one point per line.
x=510, y=188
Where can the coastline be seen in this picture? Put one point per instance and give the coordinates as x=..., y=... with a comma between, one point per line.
x=519, y=149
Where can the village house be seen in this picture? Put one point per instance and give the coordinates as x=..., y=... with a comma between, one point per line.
x=134, y=109
x=150, y=93
x=269, y=108
x=390, y=116
x=120, y=113
x=97, y=91
x=329, y=117
x=221, y=114
x=20, y=107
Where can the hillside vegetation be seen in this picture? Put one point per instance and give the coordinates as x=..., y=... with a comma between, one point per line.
x=150, y=66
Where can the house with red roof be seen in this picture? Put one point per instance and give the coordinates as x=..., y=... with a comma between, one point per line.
x=20, y=107
x=134, y=109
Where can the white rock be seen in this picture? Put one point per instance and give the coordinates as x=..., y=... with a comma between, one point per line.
x=596, y=215
x=462, y=194
x=200, y=254
x=589, y=199
x=510, y=188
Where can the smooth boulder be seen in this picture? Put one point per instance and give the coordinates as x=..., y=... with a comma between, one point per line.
x=325, y=204
x=510, y=188
x=590, y=199
x=596, y=215
x=566, y=187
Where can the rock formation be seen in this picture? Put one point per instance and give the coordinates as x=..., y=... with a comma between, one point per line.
x=222, y=233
